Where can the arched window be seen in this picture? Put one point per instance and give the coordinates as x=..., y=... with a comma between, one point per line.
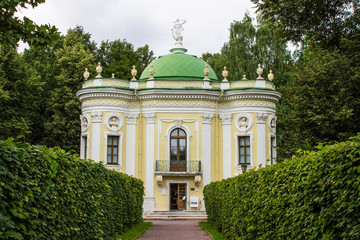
x=177, y=150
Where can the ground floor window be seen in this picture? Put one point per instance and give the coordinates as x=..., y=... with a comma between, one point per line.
x=273, y=149
x=112, y=149
x=244, y=150
x=84, y=147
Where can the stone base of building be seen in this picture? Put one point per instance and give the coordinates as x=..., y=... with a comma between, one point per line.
x=149, y=204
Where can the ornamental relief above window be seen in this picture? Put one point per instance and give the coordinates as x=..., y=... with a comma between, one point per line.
x=243, y=122
x=114, y=122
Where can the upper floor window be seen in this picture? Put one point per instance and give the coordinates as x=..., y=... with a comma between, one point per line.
x=178, y=150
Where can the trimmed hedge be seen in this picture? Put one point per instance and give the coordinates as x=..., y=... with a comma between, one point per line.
x=52, y=194
x=313, y=196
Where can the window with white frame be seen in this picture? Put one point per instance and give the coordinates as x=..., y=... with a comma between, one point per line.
x=244, y=150
x=112, y=150
x=84, y=147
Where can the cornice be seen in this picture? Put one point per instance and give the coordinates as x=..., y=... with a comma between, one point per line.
x=181, y=94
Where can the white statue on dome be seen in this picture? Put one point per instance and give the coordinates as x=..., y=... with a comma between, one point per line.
x=176, y=30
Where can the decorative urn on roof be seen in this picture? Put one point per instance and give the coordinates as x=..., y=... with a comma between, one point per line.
x=259, y=71
x=133, y=72
x=98, y=70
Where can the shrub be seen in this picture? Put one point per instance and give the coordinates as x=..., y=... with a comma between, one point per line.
x=52, y=194
x=312, y=196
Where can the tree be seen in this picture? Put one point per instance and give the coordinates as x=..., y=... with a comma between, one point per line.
x=321, y=21
x=63, y=128
x=13, y=29
x=119, y=56
x=19, y=87
x=250, y=45
x=322, y=104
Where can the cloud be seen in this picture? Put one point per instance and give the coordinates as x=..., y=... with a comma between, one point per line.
x=149, y=22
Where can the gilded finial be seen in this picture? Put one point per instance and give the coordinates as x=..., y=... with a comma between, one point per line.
x=98, y=69
x=86, y=74
x=206, y=72
x=113, y=75
x=225, y=74
x=152, y=72
x=271, y=76
x=259, y=71
x=134, y=72
x=244, y=77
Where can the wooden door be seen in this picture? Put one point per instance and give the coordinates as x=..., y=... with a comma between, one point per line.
x=178, y=196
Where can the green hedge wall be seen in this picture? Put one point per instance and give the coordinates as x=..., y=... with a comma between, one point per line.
x=313, y=196
x=52, y=194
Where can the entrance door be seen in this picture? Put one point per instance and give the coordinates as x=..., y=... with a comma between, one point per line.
x=178, y=196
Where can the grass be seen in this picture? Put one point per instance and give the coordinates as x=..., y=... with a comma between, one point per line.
x=212, y=231
x=135, y=232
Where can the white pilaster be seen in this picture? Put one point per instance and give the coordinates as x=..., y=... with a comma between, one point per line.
x=206, y=147
x=226, y=120
x=261, y=143
x=130, y=142
x=149, y=201
x=96, y=131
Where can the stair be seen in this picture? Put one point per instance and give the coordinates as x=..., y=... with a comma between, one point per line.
x=175, y=215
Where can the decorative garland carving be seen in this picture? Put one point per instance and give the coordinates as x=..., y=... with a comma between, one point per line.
x=96, y=117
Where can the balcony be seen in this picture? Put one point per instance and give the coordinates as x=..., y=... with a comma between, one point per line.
x=177, y=168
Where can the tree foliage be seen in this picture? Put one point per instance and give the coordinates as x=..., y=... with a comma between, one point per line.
x=64, y=126
x=13, y=29
x=119, y=56
x=321, y=21
x=248, y=46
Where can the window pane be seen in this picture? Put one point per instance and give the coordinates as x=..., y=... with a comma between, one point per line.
x=241, y=159
x=174, y=151
x=109, y=150
x=108, y=158
x=173, y=142
x=248, y=159
x=247, y=140
x=182, y=142
x=115, y=140
x=114, y=159
x=110, y=140
x=174, y=132
x=115, y=150
x=182, y=132
x=241, y=151
x=247, y=150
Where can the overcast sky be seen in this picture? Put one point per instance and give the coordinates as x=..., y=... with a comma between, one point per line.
x=149, y=22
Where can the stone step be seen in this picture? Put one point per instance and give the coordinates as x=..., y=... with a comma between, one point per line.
x=175, y=215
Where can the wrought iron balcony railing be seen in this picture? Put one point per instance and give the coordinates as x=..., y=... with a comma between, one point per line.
x=190, y=166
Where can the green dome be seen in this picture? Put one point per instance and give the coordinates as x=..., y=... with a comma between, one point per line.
x=178, y=66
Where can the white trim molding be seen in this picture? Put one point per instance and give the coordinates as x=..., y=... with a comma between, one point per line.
x=96, y=131
x=237, y=135
x=120, y=135
x=261, y=135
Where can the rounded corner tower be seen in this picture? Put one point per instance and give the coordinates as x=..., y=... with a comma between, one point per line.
x=178, y=127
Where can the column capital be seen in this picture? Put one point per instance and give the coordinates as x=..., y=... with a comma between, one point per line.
x=261, y=117
x=226, y=118
x=96, y=116
x=207, y=117
x=150, y=118
x=131, y=118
